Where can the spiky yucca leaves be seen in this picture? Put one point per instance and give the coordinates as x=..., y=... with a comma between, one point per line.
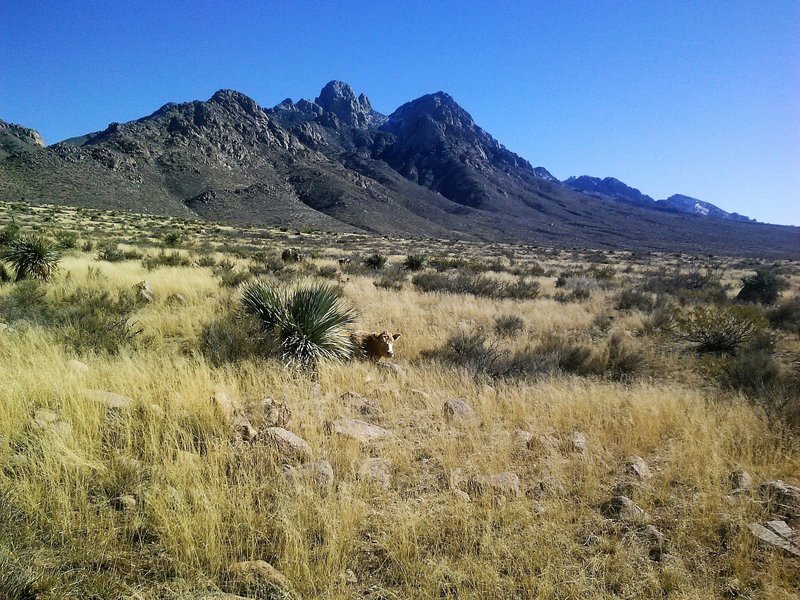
x=33, y=257
x=307, y=323
x=415, y=262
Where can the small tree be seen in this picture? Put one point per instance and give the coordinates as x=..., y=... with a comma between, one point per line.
x=32, y=258
x=308, y=324
x=764, y=287
x=720, y=328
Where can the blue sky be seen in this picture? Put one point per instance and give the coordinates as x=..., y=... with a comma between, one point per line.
x=699, y=98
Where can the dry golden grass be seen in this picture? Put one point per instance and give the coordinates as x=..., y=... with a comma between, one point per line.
x=205, y=501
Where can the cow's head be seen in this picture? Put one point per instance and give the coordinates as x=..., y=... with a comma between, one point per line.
x=383, y=343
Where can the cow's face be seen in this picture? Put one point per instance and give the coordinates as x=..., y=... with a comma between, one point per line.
x=384, y=343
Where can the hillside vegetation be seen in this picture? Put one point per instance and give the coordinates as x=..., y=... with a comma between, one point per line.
x=555, y=424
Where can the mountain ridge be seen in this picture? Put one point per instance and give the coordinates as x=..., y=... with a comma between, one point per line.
x=426, y=170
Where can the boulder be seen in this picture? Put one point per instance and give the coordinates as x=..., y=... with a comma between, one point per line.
x=276, y=414
x=622, y=508
x=785, y=498
x=456, y=410
x=392, y=368
x=545, y=443
x=144, y=292
x=234, y=416
x=126, y=502
x=505, y=484
x=258, y=573
x=110, y=400
x=77, y=366
x=289, y=445
x=376, y=471
x=779, y=535
x=360, y=431
x=639, y=468
x=577, y=442
x=359, y=403
x=741, y=480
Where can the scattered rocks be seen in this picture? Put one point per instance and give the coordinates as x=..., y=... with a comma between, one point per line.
x=741, y=481
x=234, y=416
x=124, y=503
x=319, y=472
x=360, y=431
x=505, y=484
x=639, y=467
x=622, y=508
x=110, y=400
x=77, y=366
x=258, y=573
x=577, y=442
x=276, y=414
x=456, y=410
x=287, y=444
x=778, y=534
x=785, y=497
x=376, y=471
x=144, y=292
x=392, y=368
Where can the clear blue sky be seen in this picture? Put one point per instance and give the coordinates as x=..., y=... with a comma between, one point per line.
x=700, y=98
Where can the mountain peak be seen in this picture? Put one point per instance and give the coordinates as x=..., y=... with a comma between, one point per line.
x=232, y=99
x=338, y=98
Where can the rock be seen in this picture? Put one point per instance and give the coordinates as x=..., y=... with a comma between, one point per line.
x=258, y=572
x=126, y=502
x=3, y=327
x=276, y=414
x=785, y=497
x=337, y=98
x=155, y=410
x=349, y=577
x=457, y=410
x=461, y=495
x=42, y=418
x=234, y=416
x=639, y=468
x=287, y=444
x=322, y=476
x=225, y=404
x=622, y=508
x=393, y=368
x=656, y=541
x=357, y=402
x=77, y=366
x=375, y=470
x=110, y=400
x=577, y=442
x=178, y=299
x=544, y=443
x=783, y=538
x=506, y=484
x=522, y=438
x=144, y=292
x=360, y=431
x=741, y=481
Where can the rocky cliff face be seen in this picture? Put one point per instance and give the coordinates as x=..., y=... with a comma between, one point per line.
x=336, y=164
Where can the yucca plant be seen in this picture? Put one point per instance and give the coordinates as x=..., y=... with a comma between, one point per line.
x=33, y=257
x=376, y=261
x=415, y=262
x=308, y=324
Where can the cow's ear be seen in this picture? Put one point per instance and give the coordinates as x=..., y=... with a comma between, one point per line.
x=396, y=335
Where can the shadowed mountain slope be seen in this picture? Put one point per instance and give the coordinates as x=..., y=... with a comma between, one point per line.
x=426, y=170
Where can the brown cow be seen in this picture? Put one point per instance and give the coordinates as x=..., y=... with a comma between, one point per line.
x=374, y=346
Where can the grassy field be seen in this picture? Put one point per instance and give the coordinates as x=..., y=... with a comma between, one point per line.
x=576, y=365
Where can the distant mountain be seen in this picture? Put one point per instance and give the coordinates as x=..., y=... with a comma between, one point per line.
x=336, y=164
x=613, y=189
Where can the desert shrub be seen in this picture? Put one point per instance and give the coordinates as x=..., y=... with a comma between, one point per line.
x=601, y=273
x=392, y=279
x=113, y=253
x=308, y=324
x=561, y=280
x=720, y=328
x=693, y=285
x=752, y=371
x=785, y=315
x=661, y=319
x=763, y=288
x=536, y=270
x=165, y=259
x=230, y=338
x=621, y=360
x=173, y=239
x=87, y=246
x=508, y=325
x=415, y=262
x=629, y=299
x=477, y=285
x=5, y=275
x=376, y=261
x=66, y=240
x=328, y=272
x=32, y=257
x=233, y=277
x=207, y=261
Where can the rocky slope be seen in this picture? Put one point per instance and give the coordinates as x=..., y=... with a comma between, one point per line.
x=336, y=164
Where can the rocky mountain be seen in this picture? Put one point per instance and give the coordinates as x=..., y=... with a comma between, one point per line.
x=613, y=189
x=336, y=164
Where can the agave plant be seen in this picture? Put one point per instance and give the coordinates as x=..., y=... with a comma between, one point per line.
x=308, y=324
x=32, y=257
x=415, y=262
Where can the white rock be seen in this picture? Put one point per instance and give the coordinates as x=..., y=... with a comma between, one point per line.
x=287, y=444
x=360, y=431
x=456, y=410
x=110, y=400
x=77, y=366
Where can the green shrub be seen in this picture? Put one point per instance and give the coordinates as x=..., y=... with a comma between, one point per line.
x=786, y=315
x=508, y=325
x=415, y=262
x=477, y=285
x=173, y=239
x=206, y=261
x=720, y=328
x=763, y=288
x=5, y=276
x=753, y=371
x=328, y=272
x=376, y=262
x=392, y=279
x=32, y=257
x=113, y=253
x=9, y=234
x=629, y=299
x=308, y=325
x=66, y=240
x=165, y=259
x=694, y=285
